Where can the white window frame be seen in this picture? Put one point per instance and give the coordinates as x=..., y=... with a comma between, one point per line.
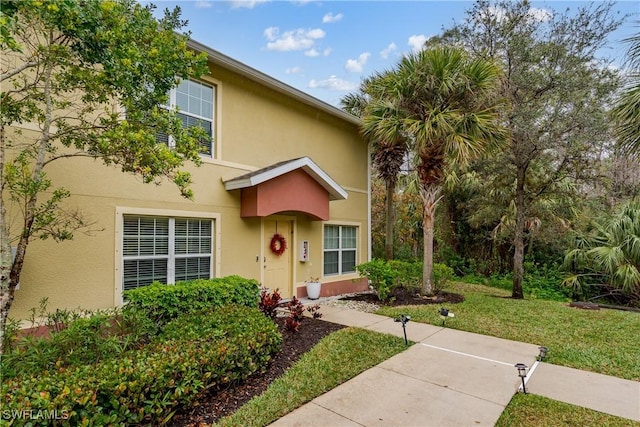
x=173, y=104
x=121, y=212
x=340, y=249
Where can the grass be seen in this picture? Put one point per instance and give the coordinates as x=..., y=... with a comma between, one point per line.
x=602, y=341
x=532, y=410
x=335, y=359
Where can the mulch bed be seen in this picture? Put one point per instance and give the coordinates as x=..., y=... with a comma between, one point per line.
x=402, y=297
x=215, y=404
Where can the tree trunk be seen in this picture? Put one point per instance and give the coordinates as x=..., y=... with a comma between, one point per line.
x=6, y=290
x=388, y=242
x=518, y=238
x=429, y=194
x=14, y=266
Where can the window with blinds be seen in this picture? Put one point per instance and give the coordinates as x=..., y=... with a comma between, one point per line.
x=165, y=249
x=340, y=246
x=195, y=102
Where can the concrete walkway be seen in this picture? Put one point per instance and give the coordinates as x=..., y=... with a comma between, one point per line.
x=452, y=378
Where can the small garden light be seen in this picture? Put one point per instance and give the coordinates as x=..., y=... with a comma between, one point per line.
x=403, y=319
x=543, y=352
x=522, y=373
x=444, y=313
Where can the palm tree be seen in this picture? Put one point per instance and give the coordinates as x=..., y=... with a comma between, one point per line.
x=387, y=155
x=441, y=101
x=627, y=111
x=610, y=255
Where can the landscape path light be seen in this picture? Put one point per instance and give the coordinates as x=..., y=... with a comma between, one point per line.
x=403, y=319
x=543, y=352
x=444, y=314
x=522, y=373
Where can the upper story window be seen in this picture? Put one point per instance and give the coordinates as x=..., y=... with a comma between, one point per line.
x=196, y=107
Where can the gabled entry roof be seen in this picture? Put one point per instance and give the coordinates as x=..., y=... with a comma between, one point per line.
x=270, y=172
x=297, y=185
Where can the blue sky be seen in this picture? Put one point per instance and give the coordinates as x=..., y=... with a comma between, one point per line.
x=324, y=48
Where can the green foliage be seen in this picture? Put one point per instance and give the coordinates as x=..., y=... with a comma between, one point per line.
x=144, y=386
x=380, y=275
x=540, y=281
x=163, y=303
x=442, y=275
x=83, y=340
x=608, y=257
x=386, y=276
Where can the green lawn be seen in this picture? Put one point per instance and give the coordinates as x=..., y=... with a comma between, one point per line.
x=532, y=410
x=603, y=341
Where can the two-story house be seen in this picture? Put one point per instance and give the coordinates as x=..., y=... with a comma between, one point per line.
x=282, y=196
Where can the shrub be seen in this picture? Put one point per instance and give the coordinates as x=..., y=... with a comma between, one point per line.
x=386, y=276
x=269, y=302
x=442, y=275
x=381, y=277
x=163, y=303
x=146, y=386
x=104, y=334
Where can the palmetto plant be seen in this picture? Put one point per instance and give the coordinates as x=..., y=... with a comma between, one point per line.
x=609, y=256
x=441, y=102
x=627, y=111
x=388, y=155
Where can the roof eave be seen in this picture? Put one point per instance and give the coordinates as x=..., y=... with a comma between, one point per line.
x=268, y=81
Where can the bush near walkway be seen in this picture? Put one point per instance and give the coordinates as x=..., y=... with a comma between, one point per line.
x=195, y=351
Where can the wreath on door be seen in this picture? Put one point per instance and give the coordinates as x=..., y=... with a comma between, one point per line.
x=278, y=244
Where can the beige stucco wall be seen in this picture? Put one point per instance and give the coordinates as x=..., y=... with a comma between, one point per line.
x=255, y=127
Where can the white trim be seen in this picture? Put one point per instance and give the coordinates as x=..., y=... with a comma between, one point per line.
x=305, y=163
x=468, y=355
x=123, y=210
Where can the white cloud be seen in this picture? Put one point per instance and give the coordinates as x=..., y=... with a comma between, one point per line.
x=384, y=53
x=540, y=15
x=299, y=39
x=417, y=42
x=201, y=4
x=330, y=18
x=271, y=33
x=313, y=52
x=534, y=14
x=293, y=70
x=248, y=4
x=357, y=65
x=333, y=83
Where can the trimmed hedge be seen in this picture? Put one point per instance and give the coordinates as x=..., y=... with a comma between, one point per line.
x=163, y=303
x=195, y=351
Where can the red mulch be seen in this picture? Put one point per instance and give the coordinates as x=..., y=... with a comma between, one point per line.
x=216, y=404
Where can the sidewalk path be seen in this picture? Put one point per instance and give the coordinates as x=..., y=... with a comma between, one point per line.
x=451, y=378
